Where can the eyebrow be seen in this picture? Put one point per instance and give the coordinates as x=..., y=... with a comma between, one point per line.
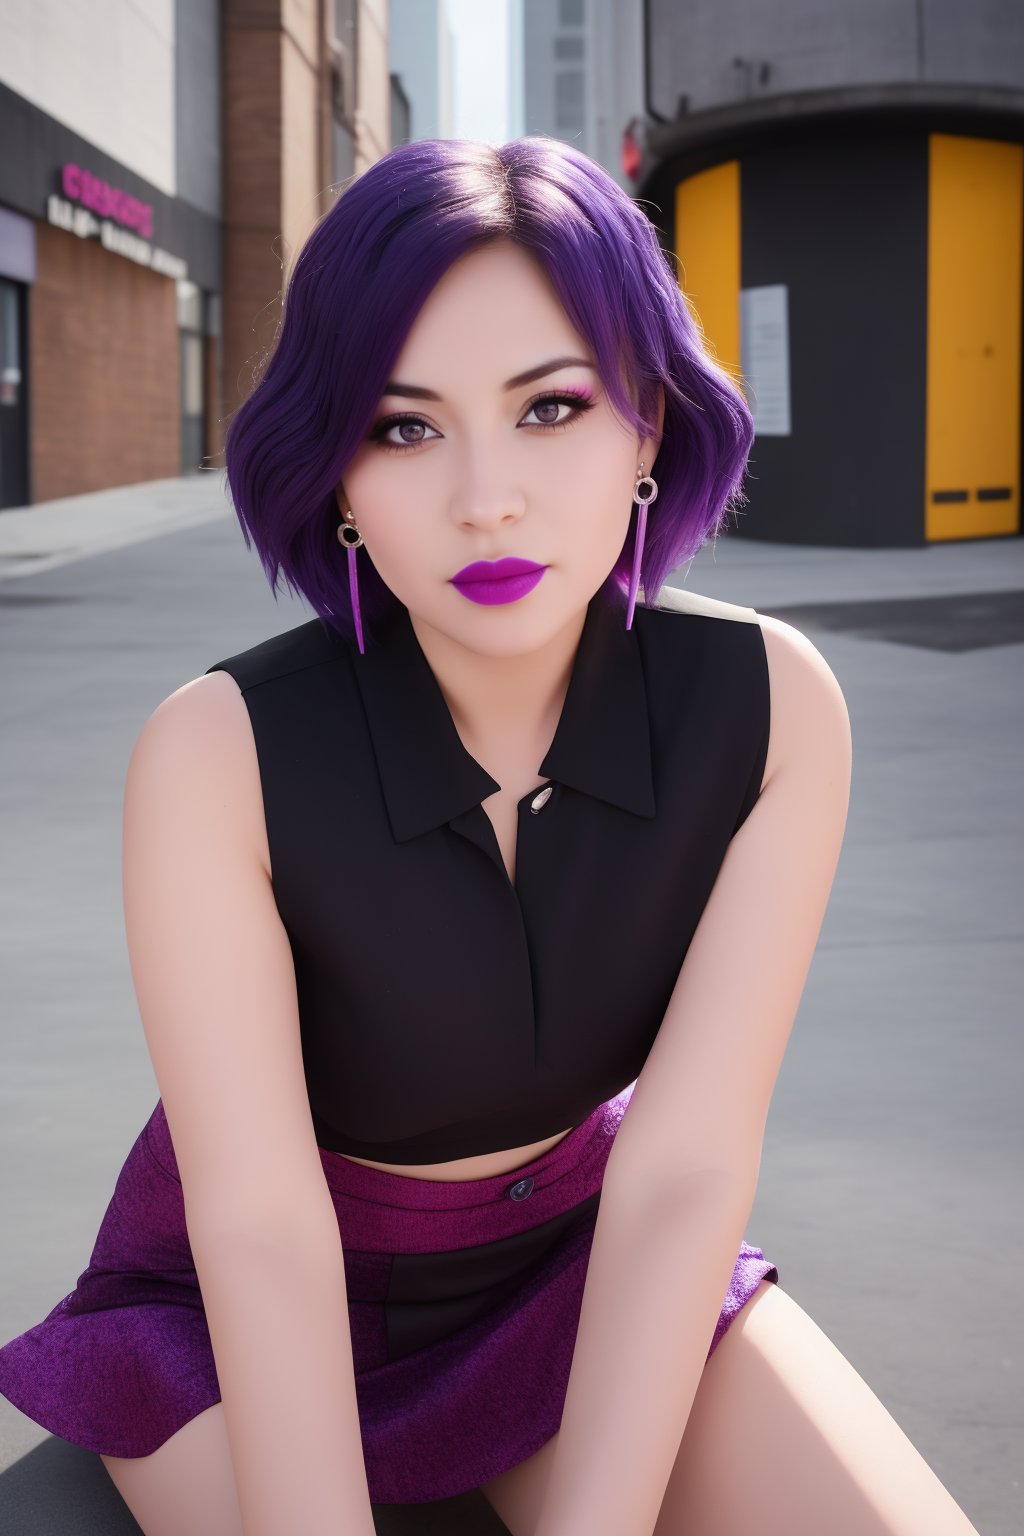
x=417, y=392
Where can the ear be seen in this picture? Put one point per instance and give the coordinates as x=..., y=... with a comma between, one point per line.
x=647, y=449
x=340, y=498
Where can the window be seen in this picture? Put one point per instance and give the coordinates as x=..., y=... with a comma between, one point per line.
x=345, y=21
x=569, y=99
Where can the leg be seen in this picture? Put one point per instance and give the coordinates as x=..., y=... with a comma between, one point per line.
x=517, y=1496
x=187, y=1484
x=783, y=1425
x=784, y=1435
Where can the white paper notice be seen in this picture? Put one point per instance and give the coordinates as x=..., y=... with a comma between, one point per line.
x=764, y=357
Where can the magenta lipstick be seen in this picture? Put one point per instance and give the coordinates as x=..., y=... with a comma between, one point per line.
x=498, y=581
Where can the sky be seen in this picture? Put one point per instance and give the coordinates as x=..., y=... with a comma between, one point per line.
x=480, y=28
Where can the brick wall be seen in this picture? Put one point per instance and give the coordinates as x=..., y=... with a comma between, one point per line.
x=104, y=387
x=252, y=192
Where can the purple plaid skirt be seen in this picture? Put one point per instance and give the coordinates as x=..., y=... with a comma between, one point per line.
x=463, y=1296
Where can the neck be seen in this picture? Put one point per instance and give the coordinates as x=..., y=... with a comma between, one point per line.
x=505, y=702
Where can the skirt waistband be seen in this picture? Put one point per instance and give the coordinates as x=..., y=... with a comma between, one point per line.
x=395, y=1213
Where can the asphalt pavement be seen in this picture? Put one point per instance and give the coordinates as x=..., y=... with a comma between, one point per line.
x=892, y=1160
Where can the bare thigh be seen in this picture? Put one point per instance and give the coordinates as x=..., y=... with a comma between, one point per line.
x=187, y=1486
x=784, y=1434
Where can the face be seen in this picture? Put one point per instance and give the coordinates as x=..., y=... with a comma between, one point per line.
x=463, y=468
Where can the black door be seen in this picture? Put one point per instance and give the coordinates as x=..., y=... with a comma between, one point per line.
x=13, y=395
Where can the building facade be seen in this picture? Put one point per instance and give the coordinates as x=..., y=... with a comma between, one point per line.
x=152, y=197
x=576, y=74
x=845, y=205
x=422, y=54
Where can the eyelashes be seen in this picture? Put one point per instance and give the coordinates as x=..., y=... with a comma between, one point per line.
x=579, y=400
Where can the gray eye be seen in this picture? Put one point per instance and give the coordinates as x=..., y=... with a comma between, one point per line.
x=550, y=406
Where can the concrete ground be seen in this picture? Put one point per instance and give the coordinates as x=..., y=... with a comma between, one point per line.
x=892, y=1160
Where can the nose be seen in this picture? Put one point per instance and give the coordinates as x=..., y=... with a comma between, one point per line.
x=487, y=488
x=489, y=513
x=486, y=499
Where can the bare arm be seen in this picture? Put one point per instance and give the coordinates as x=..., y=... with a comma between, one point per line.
x=215, y=983
x=682, y=1175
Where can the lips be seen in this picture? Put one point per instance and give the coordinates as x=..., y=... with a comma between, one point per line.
x=493, y=582
x=495, y=570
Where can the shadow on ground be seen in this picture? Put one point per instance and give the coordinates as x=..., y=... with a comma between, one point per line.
x=60, y=1490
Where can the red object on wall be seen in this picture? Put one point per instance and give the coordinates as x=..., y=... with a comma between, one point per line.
x=632, y=150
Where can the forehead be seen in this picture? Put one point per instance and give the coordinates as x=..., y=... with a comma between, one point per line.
x=495, y=298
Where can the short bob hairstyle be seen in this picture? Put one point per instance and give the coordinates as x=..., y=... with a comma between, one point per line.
x=356, y=288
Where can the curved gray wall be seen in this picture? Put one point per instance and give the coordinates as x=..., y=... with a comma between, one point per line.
x=738, y=50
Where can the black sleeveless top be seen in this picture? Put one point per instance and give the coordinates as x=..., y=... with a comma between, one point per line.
x=445, y=1012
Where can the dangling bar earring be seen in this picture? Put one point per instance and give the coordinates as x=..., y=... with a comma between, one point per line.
x=642, y=501
x=349, y=535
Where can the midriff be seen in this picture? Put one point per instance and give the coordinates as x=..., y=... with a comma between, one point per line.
x=489, y=1165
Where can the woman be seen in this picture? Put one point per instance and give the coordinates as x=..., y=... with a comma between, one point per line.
x=468, y=922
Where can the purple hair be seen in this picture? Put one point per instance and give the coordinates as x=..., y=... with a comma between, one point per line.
x=355, y=291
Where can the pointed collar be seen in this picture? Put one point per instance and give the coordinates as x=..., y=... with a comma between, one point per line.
x=601, y=746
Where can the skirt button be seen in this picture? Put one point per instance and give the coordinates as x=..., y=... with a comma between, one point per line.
x=521, y=1190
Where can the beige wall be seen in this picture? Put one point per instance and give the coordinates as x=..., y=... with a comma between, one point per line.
x=301, y=62
x=103, y=68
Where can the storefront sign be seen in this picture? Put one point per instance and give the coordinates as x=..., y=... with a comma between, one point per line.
x=124, y=224
x=80, y=186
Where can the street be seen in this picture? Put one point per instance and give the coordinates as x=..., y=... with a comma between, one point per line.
x=892, y=1160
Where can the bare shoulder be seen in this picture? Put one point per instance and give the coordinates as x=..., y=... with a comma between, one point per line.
x=808, y=708
x=809, y=715
x=205, y=724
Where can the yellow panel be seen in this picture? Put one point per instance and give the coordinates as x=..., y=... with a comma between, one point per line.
x=972, y=443
x=707, y=243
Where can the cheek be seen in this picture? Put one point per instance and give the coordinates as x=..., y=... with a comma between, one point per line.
x=603, y=489
x=609, y=458
x=403, y=548
x=380, y=501
x=363, y=480
x=397, y=536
